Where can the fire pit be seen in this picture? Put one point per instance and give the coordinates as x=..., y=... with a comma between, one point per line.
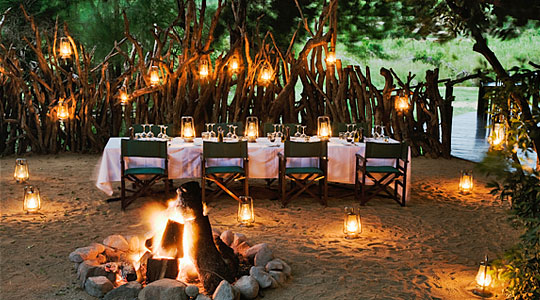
x=181, y=257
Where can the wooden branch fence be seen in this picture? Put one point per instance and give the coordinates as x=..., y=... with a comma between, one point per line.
x=33, y=80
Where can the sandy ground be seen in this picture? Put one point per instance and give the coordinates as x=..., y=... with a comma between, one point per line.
x=427, y=250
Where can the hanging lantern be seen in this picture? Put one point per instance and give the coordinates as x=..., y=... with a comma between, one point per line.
x=246, y=214
x=483, y=280
x=21, y=173
x=266, y=73
x=331, y=56
x=324, y=131
x=352, y=224
x=64, y=48
x=497, y=137
x=123, y=96
x=204, y=68
x=402, y=102
x=234, y=64
x=252, y=129
x=154, y=77
x=62, y=111
x=466, y=183
x=32, y=200
x=188, y=129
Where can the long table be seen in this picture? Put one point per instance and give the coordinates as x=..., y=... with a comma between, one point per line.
x=185, y=162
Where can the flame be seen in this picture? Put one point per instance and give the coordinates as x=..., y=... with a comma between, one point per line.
x=32, y=202
x=483, y=278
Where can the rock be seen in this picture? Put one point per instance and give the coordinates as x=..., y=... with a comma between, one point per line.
x=91, y=268
x=98, y=286
x=86, y=253
x=241, y=249
x=274, y=265
x=227, y=237
x=128, y=291
x=225, y=291
x=164, y=289
x=116, y=241
x=274, y=284
x=262, y=257
x=134, y=243
x=247, y=286
x=286, y=268
x=279, y=276
x=239, y=238
x=252, y=251
x=203, y=297
x=115, y=255
x=192, y=291
x=263, y=278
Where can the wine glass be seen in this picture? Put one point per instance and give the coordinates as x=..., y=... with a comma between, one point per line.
x=150, y=133
x=304, y=135
x=212, y=132
x=143, y=133
x=160, y=134
x=279, y=132
x=271, y=137
x=230, y=134
x=347, y=134
x=234, y=136
x=165, y=127
x=298, y=134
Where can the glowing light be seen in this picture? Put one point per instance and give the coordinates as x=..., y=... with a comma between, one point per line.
x=246, y=214
x=352, y=224
x=266, y=74
x=324, y=130
x=65, y=48
x=402, y=103
x=483, y=278
x=498, y=136
x=155, y=79
x=188, y=129
x=466, y=183
x=331, y=57
x=252, y=129
x=62, y=111
x=204, y=68
x=32, y=199
x=21, y=173
x=124, y=97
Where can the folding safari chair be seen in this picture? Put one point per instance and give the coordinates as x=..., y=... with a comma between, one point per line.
x=304, y=177
x=223, y=175
x=382, y=176
x=142, y=177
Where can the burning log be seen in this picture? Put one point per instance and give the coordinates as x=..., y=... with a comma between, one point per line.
x=211, y=266
x=159, y=268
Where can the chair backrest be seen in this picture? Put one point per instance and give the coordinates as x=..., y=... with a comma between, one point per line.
x=342, y=127
x=225, y=149
x=269, y=127
x=135, y=148
x=225, y=127
x=155, y=129
x=387, y=150
x=302, y=149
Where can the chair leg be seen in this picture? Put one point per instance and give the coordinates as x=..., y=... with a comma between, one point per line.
x=123, y=194
x=203, y=189
x=167, y=189
x=325, y=191
x=283, y=188
x=246, y=186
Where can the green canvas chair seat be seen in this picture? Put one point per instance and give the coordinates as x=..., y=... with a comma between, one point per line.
x=142, y=177
x=224, y=170
x=222, y=176
x=381, y=176
x=144, y=171
x=303, y=177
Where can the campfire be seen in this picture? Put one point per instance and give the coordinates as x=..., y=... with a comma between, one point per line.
x=180, y=252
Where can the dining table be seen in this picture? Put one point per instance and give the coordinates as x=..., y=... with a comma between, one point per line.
x=184, y=160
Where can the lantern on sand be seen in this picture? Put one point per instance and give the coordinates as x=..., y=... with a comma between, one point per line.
x=324, y=131
x=466, y=183
x=252, y=129
x=483, y=280
x=62, y=111
x=32, y=200
x=246, y=214
x=21, y=173
x=64, y=48
x=188, y=129
x=352, y=224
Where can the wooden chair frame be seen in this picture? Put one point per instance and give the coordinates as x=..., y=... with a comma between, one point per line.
x=223, y=179
x=303, y=180
x=396, y=175
x=141, y=186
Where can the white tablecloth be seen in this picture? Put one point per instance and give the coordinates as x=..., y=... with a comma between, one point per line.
x=184, y=161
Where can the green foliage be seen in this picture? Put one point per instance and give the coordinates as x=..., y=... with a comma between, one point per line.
x=521, y=264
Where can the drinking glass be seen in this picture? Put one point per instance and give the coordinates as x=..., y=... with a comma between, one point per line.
x=160, y=135
x=279, y=132
x=212, y=132
x=382, y=135
x=143, y=133
x=271, y=137
x=150, y=133
x=165, y=136
x=376, y=131
x=298, y=134
x=234, y=135
x=303, y=131
x=230, y=134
